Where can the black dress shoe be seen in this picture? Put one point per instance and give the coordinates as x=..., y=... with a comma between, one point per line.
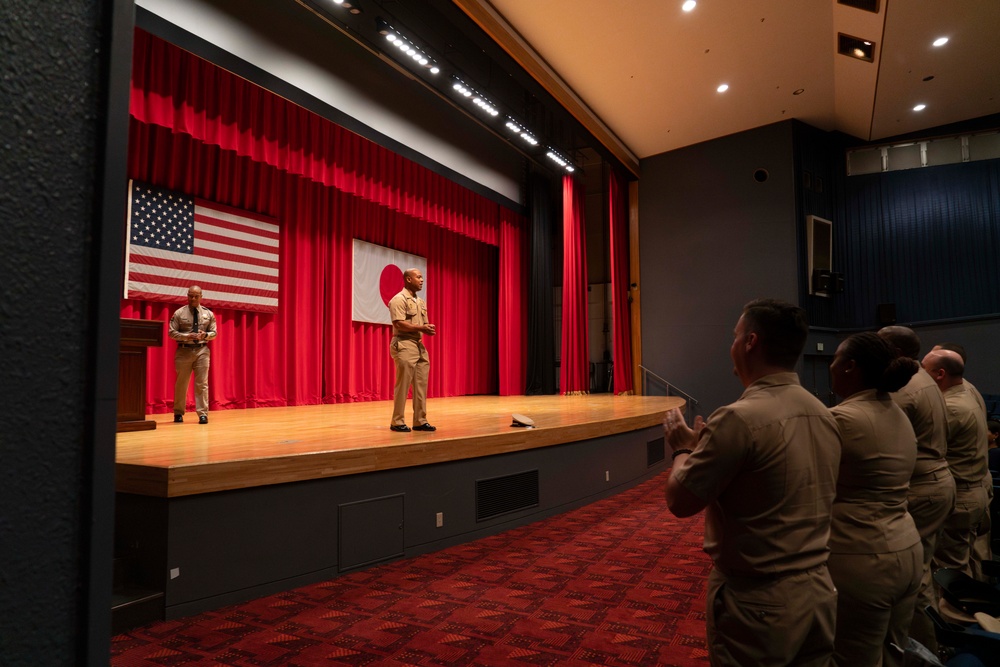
x=178, y=419
x=203, y=419
x=424, y=427
x=400, y=429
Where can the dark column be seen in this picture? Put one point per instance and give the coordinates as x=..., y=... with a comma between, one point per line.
x=63, y=123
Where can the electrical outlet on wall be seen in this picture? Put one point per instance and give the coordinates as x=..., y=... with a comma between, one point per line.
x=439, y=519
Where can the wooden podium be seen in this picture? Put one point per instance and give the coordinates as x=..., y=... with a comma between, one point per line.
x=136, y=336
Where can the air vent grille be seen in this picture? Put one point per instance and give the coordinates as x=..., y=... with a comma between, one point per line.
x=655, y=452
x=866, y=5
x=503, y=495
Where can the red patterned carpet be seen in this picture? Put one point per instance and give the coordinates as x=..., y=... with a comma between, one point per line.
x=620, y=582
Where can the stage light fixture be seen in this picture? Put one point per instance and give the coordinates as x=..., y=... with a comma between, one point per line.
x=855, y=47
x=406, y=46
x=351, y=6
x=560, y=160
x=514, y=127
x=477, y=98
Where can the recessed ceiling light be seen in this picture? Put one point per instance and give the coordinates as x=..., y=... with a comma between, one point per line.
x=920, y=107
x=689, y=5
x=723, y=88
x=940, y=41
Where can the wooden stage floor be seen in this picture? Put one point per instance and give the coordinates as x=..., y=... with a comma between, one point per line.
x=247, y=448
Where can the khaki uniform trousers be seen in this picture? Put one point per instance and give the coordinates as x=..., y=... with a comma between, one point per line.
x=982, y=549
x=765, y=621
x=186, y=360
x=412, y=364
x=930, y=501
x=954, y=549
x=876, y=595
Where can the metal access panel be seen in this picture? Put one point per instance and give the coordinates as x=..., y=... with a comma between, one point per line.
x=371, y=531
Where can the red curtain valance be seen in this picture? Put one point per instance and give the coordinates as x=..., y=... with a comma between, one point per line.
x=179, y=91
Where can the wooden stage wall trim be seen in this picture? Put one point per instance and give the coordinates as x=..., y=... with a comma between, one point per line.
x=242, y=449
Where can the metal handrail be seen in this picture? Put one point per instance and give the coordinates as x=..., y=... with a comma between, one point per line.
x=691, y=400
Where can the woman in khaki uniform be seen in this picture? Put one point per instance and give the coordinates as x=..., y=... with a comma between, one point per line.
x=876, y=558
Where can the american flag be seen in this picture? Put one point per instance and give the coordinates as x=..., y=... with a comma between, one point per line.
x=176, y=241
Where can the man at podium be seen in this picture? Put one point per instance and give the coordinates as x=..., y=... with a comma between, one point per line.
x=192, y=326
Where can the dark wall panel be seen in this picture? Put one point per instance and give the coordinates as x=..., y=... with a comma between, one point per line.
x=712, y=237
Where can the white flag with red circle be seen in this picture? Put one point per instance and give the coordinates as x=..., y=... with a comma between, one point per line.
x=378, y=276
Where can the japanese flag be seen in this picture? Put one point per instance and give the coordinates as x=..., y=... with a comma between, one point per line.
x=378, y=276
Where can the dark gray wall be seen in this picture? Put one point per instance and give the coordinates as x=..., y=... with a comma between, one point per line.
x=711, y=239
x=60, y=261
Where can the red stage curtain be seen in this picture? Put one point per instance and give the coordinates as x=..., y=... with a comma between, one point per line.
x=513, y=304
x=310, y=351
x=175, y=89
x=205, y=132
x=621, y=325
x=575, y=362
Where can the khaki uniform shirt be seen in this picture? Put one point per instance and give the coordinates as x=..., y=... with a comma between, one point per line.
x=923, y=404
x=869, y=513
x=406, y=306
x=767, y=467
x=979, y=397
x=967, y=435
x=182, y=323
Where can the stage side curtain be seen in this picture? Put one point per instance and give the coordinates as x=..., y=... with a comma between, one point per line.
x=177, y=90
x=541, y=371
x=621, y=326
x=575, y=359
x=310, y=351
x=513, y=333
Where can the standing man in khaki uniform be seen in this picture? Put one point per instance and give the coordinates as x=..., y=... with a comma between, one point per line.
x=967, y=446
x=931, y=496
x=192, y=326
x=981, y=550
x=765, y=467
x=408, y=313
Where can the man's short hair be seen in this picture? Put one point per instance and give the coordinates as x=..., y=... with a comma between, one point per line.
x=993, y=426
x=904, y=338
x=958, y=348
x=951, y=363
x=782, y=328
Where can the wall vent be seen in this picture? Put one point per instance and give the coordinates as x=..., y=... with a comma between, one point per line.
x=855, y=47
x=503, y=495
x=866, y=5
x=655, y=452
